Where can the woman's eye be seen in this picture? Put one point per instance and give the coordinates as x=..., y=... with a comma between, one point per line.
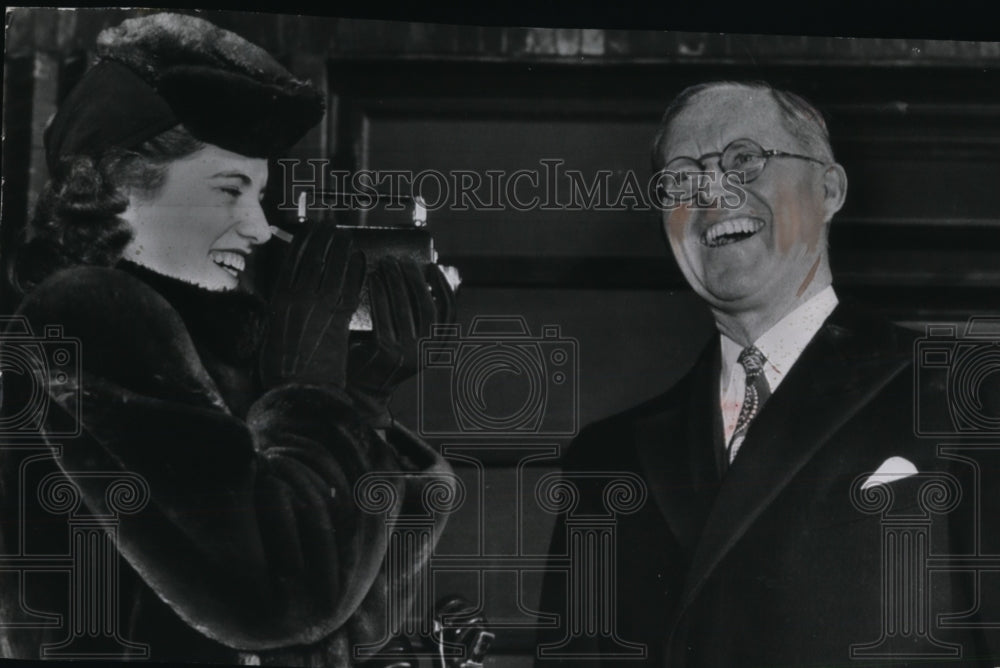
x=232, y=192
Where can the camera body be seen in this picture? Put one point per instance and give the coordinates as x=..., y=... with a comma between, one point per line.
x=380, y=226
x=499, y=380
x=414, y=243
x=32, y=370
x=965, y=370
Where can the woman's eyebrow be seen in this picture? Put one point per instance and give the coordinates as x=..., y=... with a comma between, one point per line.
x=233, y=175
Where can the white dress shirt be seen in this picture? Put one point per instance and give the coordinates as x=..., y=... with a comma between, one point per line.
x=781, y=345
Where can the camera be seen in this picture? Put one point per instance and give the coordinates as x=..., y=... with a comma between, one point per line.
x=498, y=380
x=965, y=372
x=380, y=226
x=377, y=242
x=33, y=369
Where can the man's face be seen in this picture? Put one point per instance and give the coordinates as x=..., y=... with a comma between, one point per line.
x=785, y=207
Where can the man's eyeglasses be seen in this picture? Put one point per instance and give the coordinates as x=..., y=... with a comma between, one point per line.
x=744, y=158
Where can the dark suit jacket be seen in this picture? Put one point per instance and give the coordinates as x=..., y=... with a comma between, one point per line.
x=772, y=564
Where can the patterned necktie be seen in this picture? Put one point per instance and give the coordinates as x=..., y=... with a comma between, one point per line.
x=757, y=392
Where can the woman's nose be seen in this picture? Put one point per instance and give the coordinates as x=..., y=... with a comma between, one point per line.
x=253, y=224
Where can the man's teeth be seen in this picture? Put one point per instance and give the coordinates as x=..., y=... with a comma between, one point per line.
x=232, y=262
x=728, y=231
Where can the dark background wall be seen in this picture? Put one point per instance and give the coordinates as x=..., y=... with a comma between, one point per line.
x=916, y=123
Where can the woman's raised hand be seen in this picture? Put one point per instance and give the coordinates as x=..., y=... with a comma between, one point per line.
x=406, y=301
x=317, y=292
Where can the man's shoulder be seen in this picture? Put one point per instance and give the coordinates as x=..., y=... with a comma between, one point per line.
x=867, y=333
x=663, y=402
x=618, y=430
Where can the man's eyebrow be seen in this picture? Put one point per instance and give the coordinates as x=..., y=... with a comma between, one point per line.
x=233, y=175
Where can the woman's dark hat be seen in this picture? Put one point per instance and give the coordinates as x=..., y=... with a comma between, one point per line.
x=162, y=70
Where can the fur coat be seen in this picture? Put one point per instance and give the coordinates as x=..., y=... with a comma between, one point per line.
x=251, y=545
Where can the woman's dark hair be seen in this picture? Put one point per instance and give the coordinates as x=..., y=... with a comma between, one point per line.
x=77, y=219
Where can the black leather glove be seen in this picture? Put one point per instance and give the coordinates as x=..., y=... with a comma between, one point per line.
x=405, y=302
x=316, y=294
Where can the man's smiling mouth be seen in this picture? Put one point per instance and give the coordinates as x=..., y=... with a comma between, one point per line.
x=231, y=261
x=730, y=231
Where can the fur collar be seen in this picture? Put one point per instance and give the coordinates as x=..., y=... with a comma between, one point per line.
x=229, y=324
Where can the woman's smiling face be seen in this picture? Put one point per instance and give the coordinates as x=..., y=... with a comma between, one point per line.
x=204, y=220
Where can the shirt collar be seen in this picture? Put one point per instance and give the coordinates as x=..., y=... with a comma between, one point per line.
x=785, y=341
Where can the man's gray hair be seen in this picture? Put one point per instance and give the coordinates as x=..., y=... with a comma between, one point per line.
x=801, y=119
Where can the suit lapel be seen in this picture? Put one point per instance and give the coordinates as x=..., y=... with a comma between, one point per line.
x=841, y=370
x=674, y=446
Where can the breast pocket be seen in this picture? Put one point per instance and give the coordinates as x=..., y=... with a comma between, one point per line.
x=895, y=501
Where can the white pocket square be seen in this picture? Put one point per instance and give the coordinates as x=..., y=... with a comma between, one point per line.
x=892, y=469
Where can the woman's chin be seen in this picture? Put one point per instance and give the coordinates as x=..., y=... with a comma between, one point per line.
x=212, y=277
x=225, y=284
x=209, y=277
x=221, y=280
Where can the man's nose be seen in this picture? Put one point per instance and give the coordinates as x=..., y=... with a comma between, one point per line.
x=711, y=190
x=253, y=224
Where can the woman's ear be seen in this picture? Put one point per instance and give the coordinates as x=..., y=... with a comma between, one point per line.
x=133, y=216
x=834, y=190
x=128, y=215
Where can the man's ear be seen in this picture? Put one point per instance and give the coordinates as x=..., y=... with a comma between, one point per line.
x=834, y=190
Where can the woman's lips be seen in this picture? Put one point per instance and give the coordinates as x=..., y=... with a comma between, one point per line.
x=231, y=261
x=731, y=231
